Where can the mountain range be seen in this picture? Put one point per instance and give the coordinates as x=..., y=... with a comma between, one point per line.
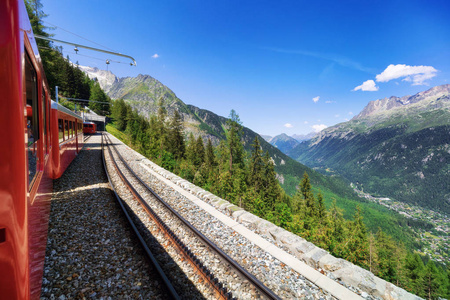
x=144, y=93
x=396, y=147
x=286, y=143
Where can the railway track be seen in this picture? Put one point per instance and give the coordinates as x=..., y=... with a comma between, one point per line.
x=86, y=138
x=151, y=258
x=209, y=266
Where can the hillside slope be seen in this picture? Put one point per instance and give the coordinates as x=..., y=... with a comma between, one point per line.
x=144, y=93
x=396, y=147
x=289, y=171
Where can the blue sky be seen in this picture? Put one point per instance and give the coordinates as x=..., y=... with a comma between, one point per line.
x=284, y=66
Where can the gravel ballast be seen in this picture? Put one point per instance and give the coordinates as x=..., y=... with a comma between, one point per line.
x=91, y=252
x=281, y=279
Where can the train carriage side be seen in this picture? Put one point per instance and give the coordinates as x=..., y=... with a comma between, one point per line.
x=25, y=156
x=89, y=128
x=67, y=133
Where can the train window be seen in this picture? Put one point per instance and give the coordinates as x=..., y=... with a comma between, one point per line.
x=70, y=129
x=44, y=117
x=66, y=129
x=60, y=130
x=32, y=119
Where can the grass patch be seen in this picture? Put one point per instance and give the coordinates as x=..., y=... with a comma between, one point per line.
x=118, y=134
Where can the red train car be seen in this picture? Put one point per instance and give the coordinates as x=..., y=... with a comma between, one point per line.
x=68, y=134
x=89, y=128
x=31, y=154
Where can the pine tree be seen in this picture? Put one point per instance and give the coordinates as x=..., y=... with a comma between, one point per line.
x=433, y=287
x=199, y=152
x=209, y=169
x=119, y=113
x=357, y=242
x=337, y=225
x=282, y=215
x=308, y=197
x=271, y=191
x=210, y=157
x=161, y=129
x=175, y=137
x=190, y=150
x=235, y=148
x=415, y=268
x=257, y=166
x=321, y=211
x=386, y=256
x=97, y=95
x=373, y=258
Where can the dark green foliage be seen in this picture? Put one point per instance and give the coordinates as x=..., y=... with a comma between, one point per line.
x=251, y=183
x=434, y=281
x=415, y=268
x=210, y=157
x=119, y=113
x=256, y=166
x=176, y=143
x=235, y=148
x=396, y=161
x=59, y=71
x=97, y=95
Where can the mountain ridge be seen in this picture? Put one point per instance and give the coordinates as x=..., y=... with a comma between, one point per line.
x=283, y=142
x=397, y=147
x=143, y=93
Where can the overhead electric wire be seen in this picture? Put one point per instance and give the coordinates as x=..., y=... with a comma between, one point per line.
x=68, y=52
x=76, y=45
x=78, y=35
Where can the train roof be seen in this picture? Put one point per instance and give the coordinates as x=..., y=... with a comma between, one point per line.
x=63, y=109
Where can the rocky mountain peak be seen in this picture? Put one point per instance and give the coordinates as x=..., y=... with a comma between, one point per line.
x=387, y=104
x=106, y=79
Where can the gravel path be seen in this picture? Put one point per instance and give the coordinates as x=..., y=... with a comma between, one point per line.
x=91, y=252
x=284, y=281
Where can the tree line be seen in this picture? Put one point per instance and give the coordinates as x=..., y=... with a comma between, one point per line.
x=245, y=179
x=249, y=180
x=61, y=72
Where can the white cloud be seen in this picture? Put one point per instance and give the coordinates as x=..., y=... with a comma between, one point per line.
x=368, y=85
x=328, y=101
x=337, y=116
x=318, y=127
x=415, y=74
x=306, y=122
x=350, y=113
x=155, y=55
x=287, y=125
x=316, y=99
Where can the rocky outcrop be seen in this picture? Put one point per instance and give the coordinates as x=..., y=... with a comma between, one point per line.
x=387, y=104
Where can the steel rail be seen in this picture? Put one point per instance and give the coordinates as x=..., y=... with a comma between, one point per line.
x=149, y=254
x=220, y=291
x=244, y=273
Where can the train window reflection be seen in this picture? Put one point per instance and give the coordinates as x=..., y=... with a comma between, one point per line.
x=66, y=129
x=32, y=119
x=61, y=130
x=44, y=116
